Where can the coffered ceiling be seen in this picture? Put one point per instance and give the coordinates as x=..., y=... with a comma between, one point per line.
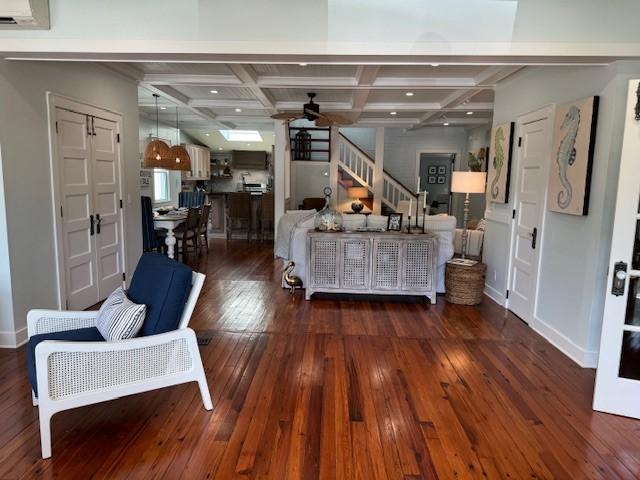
x=210, y=96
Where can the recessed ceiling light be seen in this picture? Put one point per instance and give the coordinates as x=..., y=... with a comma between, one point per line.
x=393, y=113
x=435, y=64
x=213, y=91
x=219, y=148
x=207, y=134
x=238, y=110
x=446, y=124
x=302, y=64
x=163, y=108
x=248, y=144
x=409, y=94
x=469, y=113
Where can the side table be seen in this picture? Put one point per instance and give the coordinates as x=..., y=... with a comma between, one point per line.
x=464, y=284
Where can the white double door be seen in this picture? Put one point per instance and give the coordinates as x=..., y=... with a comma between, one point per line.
x=90, y=193
x=617, y=388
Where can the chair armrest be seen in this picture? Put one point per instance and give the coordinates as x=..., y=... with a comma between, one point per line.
x=47, y=321
x=70, y=369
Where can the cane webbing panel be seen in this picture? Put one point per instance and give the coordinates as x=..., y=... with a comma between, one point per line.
x=386, y=263
x=417, y=265
x=325, y=271
x=355, y=255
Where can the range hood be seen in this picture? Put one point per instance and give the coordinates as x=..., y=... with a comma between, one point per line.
x=24, y=14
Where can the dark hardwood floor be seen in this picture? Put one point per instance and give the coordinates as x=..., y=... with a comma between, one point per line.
x=333, y=389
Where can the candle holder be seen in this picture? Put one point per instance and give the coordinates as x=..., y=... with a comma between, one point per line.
x=417, y=207
x=424, y=214
x=409, y=225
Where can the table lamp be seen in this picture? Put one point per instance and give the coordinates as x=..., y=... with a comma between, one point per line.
x=467, y=182
x=357, y=193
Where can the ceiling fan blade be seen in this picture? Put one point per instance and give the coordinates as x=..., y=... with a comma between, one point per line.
x=337, y=118
x=311, y=112
x=323, y=121
x=287, y=116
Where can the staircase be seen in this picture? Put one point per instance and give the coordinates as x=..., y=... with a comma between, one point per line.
x=360, y=167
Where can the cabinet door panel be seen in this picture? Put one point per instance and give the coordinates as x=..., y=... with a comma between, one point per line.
x=418, y=266
x=386, y=264
x=354, y=267
x=324, y=263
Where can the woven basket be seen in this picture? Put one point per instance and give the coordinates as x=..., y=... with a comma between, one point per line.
x=465, y=285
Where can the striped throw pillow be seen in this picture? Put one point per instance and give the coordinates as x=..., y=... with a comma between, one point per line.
x=119, y=318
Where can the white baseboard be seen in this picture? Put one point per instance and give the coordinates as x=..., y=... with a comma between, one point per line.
x=584, y=358
x=495, y=295
x=13, y=339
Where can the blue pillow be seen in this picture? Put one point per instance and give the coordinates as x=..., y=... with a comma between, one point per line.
x=163, y=285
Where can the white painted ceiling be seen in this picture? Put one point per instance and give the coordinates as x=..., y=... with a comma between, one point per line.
x=209, y=97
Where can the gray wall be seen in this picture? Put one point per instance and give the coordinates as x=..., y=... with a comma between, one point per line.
x=575, y=250
x=27, y=173
x=363, y=137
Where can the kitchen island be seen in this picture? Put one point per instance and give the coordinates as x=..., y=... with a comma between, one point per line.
x=217, y=218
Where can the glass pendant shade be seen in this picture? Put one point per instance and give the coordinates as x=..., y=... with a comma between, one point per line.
x=179, y=158
x=328, y=219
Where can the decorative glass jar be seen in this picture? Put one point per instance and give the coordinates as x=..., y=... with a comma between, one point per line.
x=328, y=219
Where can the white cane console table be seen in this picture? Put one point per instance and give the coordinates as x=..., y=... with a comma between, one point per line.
x=385, y=263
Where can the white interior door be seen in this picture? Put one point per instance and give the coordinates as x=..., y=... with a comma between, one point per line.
x=617, y=387
x=533, y=150
x=76, y=203
x=107, y=195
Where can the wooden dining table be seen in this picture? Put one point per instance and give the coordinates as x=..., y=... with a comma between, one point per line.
x=169, y=222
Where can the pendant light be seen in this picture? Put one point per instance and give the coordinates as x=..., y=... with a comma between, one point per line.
x=179, y=158
x=157, y=152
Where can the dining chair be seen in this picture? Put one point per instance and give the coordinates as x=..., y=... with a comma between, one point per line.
x=203, y=225
x=190, y=199
x=187, y=232
x=238, y=213
x=266, y=214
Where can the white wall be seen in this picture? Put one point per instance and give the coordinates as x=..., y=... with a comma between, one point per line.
x=308, y=179
x=575, y=251
x=363, y=137
x=7, y=336
x=27, y=174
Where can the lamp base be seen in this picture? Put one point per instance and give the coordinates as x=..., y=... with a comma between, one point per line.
x=357, y=207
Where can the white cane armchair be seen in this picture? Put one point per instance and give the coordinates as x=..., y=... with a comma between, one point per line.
x=71, y=374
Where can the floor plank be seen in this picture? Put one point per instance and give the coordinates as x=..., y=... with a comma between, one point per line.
x=335, y=388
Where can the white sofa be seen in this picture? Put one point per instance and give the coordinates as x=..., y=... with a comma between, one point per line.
x=293, y=227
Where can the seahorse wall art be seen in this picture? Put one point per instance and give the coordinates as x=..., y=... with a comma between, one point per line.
x=498, y=161
x=566, y=155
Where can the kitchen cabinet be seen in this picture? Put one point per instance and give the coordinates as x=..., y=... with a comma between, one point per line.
x=250, y=160
x=200, y=163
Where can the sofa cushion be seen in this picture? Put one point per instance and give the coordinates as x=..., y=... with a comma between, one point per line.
x=377, y=221
x=81, y=335
x=119, y=318
x=163, y=285
x=351, y=222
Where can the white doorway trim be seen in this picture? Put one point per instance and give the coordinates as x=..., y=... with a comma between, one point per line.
x=55, y=100
x=546, y=112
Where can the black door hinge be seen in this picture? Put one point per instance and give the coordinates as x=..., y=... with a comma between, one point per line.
x=507, y=294
x=513, y=213
x=61, y=215
x=519, y=141
x=56, y=126
x=124, y=276
x=118, y=137
x=120, y=203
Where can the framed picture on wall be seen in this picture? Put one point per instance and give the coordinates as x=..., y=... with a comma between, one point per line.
x=574, y=135
x=499, y=171
x=432, y=170
x=431, y=180
x=442, y=170
x=394, y=222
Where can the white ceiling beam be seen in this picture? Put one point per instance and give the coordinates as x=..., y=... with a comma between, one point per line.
x=401, y=106
x=273, y=81
x=249, y=78
x=493, y=75
x=125, y=69
x=324, y=106
x=183, y=101
x=222, y=103
x=189, y=79
x=424, y=82
x=365, y=77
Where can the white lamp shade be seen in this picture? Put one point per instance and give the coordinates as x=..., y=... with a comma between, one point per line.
x=468, y=182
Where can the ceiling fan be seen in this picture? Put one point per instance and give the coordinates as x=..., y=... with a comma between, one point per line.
x=311, y=111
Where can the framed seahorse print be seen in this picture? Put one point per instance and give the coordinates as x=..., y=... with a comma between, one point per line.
x=499, y=164
x=574, y=135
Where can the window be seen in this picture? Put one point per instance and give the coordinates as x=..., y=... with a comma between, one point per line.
x=241, y=135
x=161, y=191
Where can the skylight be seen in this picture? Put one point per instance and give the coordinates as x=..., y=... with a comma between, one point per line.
x=241, y=135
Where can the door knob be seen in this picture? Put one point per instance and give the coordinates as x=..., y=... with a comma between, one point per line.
x=534, y=237
x=98, y=221
x=619, y=278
